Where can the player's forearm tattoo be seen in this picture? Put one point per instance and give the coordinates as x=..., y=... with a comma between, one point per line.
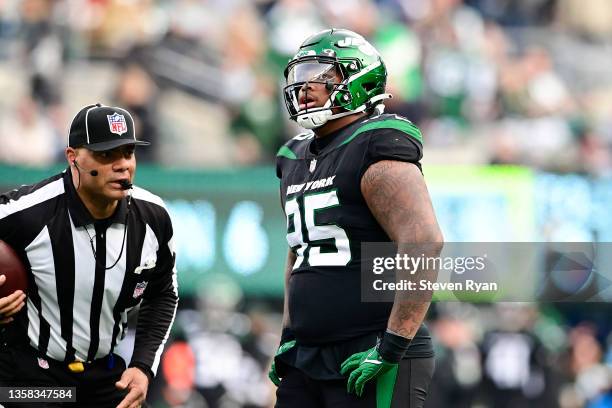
x=406, y=317
x=398, y=198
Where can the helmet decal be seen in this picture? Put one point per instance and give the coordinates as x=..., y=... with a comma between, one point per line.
x=304, y=53
x=359, y=43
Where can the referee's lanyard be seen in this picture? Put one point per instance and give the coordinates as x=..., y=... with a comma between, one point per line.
x=125, y=228
x=79, y=366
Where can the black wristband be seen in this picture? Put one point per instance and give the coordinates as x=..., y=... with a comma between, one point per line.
x=287, y=335
x=393, y=347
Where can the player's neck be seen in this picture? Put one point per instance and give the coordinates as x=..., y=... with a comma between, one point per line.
x=333, y=125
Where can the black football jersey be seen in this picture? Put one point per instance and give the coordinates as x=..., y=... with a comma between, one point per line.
x=328, y=219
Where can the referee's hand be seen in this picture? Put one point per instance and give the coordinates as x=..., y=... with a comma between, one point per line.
x=11, y=304
x=137, y=382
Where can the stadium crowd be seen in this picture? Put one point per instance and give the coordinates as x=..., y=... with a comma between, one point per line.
x=489, y=82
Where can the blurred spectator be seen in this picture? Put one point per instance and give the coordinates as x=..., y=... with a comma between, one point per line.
x=250, y=92
x=137, y=93
x=592, y=378
x=178, y=370
x=514, y=369
x=594, y=153
x=289, y=22
x=360, y=16
x=118, y=26
x=590, y=18
x=458, y=364
x=532, y=87
x=43, y=50
x=27, y=136
x=517, y=13
x=401, y=50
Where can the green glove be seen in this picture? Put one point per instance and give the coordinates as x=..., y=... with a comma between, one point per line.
x=282, y=349
x=363, y=367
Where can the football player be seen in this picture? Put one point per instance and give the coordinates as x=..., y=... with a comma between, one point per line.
x=354, y=177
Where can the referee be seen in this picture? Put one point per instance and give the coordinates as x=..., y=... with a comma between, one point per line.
x=95, y=247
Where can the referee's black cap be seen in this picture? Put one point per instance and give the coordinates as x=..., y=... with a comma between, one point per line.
x=98, y=128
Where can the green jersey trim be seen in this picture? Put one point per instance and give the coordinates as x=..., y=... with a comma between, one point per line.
x=286, y=152
x=397, y=124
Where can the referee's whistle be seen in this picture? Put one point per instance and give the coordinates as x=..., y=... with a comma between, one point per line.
x=76, y=367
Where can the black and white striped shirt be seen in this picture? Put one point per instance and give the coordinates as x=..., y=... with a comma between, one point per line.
x=77, y=309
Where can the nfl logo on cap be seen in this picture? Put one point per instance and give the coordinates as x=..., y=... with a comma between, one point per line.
x=116, y=123
x=100, y=128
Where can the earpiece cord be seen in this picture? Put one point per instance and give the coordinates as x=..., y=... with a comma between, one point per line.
x=125, y=228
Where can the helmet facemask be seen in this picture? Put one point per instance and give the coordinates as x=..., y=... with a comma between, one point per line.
x=316, y=70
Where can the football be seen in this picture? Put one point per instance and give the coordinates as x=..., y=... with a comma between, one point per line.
x=13, y=269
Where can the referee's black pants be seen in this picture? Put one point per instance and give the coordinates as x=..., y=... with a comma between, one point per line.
x=95, y=387
x=408, y=389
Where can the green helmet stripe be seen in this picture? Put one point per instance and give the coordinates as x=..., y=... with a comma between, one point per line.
x=286, y=152
x=364, y=71
x=397, y=124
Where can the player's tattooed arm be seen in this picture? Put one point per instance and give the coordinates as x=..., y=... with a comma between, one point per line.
x=288, y=268
x=398, y=198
